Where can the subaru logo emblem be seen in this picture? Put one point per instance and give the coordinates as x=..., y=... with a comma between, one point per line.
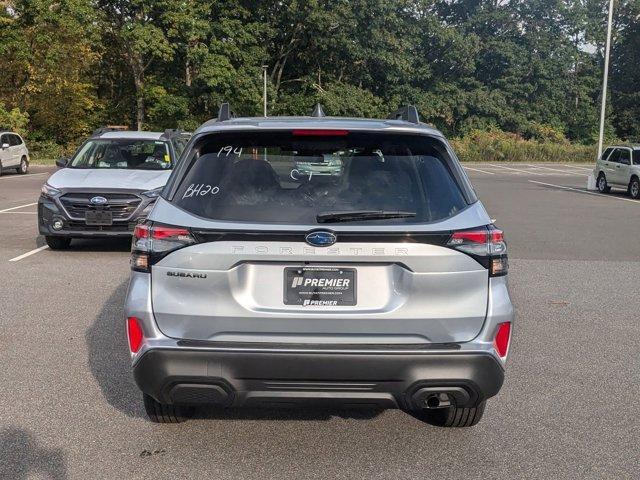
x=98, y=201
x=320, y=239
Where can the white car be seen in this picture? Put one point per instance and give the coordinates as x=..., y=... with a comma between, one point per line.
x=619, y=167
x=108, y=186
x=13, y=153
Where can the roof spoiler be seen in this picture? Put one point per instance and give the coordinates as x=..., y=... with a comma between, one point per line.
x=109, y=128
x=408, y=113
x=225, y=113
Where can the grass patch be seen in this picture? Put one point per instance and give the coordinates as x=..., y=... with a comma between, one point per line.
x=38, y=160
x=497, y=146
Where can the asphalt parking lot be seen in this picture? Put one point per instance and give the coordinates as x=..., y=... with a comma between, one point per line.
x=569, y=408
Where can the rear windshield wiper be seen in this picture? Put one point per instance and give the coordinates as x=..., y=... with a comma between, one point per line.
x=333, y=217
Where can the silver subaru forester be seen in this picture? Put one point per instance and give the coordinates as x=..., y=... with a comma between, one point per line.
x=380, y=281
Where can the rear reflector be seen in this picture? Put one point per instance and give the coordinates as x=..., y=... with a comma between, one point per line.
x=501, y=342
x=320, y=133
x=135, y=334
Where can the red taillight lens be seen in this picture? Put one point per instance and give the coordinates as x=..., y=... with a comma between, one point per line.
x=470, y=236
x=151, y=242
x=141, y=231
x=163, y=233
x=319, y=133
x=135, y=334
x=501, y=342
x=485, y=244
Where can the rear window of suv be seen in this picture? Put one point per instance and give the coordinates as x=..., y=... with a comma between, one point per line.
x=296, y=177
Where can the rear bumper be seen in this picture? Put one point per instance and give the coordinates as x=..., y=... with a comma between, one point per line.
x=252, y=378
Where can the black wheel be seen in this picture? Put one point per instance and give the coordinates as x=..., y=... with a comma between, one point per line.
x=634, y=188
x=163, y=413
x=24, y=166
x=603, y=186
x=0, y=169
x=57, y=243
x=452, y=417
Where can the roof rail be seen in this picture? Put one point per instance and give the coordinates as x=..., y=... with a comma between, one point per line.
x=225, y=112
x=318, y=111
x=408, y=113
x=109, y=128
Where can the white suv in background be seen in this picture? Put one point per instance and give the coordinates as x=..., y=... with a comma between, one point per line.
x=13, y=153
x=108, y=186
x=619, y=167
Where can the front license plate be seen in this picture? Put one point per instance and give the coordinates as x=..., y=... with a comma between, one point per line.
x=99, y=217
x=320, y=286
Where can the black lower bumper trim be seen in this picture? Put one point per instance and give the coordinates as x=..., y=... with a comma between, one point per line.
x=265, y=378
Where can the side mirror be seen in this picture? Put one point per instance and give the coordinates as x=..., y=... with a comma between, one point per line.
x=62, y=162
x=5, y=146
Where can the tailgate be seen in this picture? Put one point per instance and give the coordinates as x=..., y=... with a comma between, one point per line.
x=401, y=293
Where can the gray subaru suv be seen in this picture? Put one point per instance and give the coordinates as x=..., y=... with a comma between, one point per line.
x=256, y=282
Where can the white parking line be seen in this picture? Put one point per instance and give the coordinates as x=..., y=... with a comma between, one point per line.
x=564, y=172
x=529, y=172
x=478, y=170
x=18, y=207
x=28, y=254
x=579, y=167
x=23, y=176
x=585, y=191
x=20, y=213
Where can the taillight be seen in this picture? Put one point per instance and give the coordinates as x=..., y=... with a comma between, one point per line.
x=151, y=242
x=135, y=334
x=486, y=245
x=501, y=342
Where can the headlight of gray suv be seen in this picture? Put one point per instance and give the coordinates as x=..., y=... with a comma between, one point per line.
x=49, y=192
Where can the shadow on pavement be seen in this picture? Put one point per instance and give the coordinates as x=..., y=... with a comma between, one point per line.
x=109, y=358
x=101, y=244
x=22, y=458
x=93, y=245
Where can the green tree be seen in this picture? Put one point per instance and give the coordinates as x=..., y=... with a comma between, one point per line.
x=13, y=120
x=48, y=53
x=625, y=73
x=130, y=27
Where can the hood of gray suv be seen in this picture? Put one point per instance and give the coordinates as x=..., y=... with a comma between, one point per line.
x=104, y=178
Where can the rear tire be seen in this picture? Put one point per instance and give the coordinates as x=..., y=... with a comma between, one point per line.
x=452, y=417
x=634, y=188
x=57, y=243
x=603, y=186
x=163, y=413
x=24, y=166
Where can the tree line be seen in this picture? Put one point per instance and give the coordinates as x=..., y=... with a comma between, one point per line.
x=528, y=67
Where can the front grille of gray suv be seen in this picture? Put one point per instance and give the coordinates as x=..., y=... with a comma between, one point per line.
x=121, y=205
x=263, y=277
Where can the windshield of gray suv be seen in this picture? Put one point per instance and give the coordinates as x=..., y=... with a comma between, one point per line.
x=310, y=176
x=123, y=154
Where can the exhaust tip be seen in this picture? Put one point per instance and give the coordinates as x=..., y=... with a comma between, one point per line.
x=433, y=401
x=440, y=397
